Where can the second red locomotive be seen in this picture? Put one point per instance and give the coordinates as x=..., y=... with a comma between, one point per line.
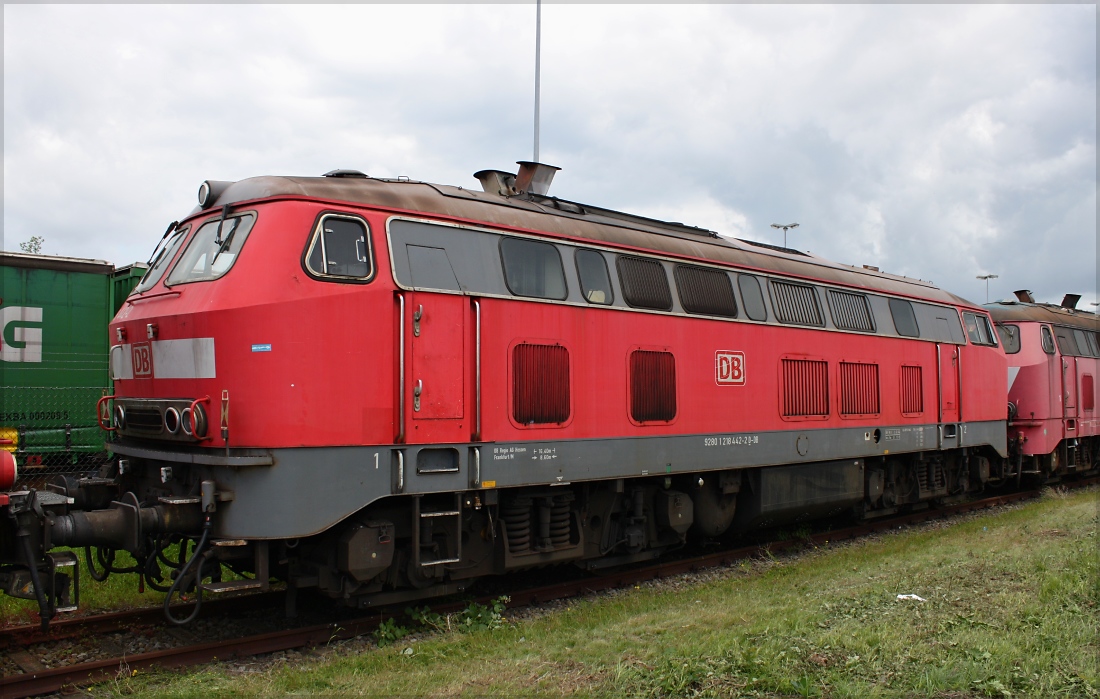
x=1053, y=362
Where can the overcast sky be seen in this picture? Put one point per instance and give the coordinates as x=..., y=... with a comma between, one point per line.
x=938, y=142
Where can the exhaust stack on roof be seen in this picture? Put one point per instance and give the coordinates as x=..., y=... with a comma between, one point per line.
x=1024, y=296
x=534, y=177
x=1070, y=301
x=497, y=182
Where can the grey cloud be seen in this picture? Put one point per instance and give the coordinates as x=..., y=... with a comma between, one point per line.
x=938, y=142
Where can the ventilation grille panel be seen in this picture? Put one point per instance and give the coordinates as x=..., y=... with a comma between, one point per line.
x=540, y=384
x=1088, y=393
x=859, y=394
x=144, y=420
x=705, y=291
x=652, y=386
x=644, y=283
x=851, y=312
x=912, y=391
x=796, y=304
x=805, y=388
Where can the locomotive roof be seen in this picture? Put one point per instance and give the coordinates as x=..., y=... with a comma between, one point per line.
x=538, y=213
x=1007, y=311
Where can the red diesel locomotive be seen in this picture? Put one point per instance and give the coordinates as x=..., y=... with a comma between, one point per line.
x=385, y=389
x=1053, y=362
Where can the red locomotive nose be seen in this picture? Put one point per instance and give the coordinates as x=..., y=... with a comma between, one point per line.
x=8, y=470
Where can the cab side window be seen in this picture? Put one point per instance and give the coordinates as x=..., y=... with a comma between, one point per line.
x=1048, y=340
x=340, y=248
x=977, y=329
x=1010, y=338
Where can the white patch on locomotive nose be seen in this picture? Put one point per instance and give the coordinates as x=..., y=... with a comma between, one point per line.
x=172, y=359
x=1012, y=371
x=122, y=364
x=184, y=359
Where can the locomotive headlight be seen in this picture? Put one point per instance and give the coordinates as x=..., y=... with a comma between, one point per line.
x=210, y=190
x=199, y=429
x=172, y=420
x=200, y=421
x=120, y=417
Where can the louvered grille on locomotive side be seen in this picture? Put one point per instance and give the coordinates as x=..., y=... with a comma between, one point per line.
x=644, y=283
x=850, y=311
x=652, y=386
x=796, y=304
x=540, y=384
x=859, y=391
x=705, y=291
x=912, y=391
x=805, y=387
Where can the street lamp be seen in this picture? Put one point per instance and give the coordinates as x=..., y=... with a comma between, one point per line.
x=789, y=225
x=987, y=277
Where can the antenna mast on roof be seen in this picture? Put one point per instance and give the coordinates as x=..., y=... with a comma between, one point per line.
x=538, y=50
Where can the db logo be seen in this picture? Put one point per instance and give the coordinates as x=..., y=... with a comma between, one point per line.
x=729, y=367
x=142, y=359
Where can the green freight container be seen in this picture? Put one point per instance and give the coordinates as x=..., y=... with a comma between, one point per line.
x=54, y=313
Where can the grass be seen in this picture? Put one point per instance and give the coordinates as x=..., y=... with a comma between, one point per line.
x=1011, y=610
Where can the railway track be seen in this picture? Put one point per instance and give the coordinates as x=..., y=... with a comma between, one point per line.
x=35, y=681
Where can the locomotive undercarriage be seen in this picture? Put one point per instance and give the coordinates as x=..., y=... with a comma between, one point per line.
x=407, y=547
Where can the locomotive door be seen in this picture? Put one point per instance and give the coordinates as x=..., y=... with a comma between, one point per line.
x=948, y=382
x=436, y=387
x=1069, y=386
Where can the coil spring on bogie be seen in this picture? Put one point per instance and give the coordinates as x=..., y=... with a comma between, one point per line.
x=560, y=522
x=517, y=518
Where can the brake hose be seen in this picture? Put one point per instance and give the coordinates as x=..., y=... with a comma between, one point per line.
x=198, y=580
x=44, y=608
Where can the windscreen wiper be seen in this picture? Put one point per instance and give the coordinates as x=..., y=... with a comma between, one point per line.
x=171, y=227
x=218, y=237
x=228, y=239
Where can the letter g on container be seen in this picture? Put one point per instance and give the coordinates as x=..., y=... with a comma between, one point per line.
x=19, y=343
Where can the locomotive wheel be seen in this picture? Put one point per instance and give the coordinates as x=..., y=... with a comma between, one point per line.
x=889, y=495
x=1050, y=463
x=418, y=576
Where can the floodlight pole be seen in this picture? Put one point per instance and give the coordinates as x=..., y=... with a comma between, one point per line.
x=987, y=277
x=785, y=227
x=538, y=66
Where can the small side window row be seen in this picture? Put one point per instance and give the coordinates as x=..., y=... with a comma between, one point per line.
x=1074, y=342
x=534, y=269
x=1071, y=341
